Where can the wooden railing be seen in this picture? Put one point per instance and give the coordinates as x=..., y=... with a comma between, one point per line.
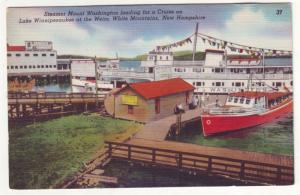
x=235, y=168
x=52, y=95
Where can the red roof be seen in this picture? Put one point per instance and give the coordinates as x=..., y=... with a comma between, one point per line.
x=256, y=94
x=214, y=51
x=16, y=48
x=155, y=89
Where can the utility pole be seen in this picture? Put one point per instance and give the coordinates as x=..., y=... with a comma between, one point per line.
x=195, y=42
x=96, y=83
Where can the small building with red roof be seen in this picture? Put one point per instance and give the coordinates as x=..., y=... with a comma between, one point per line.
x=147, y=101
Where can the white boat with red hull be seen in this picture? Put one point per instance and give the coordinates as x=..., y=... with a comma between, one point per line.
x=246, y=109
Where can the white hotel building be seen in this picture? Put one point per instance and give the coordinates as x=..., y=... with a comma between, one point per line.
x=34, y=58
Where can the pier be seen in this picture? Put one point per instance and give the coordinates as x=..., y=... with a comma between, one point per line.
x=35, y=105
x=234, y=164
x=149, y=146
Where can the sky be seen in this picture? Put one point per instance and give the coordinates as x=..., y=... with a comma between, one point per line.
x=255, y=25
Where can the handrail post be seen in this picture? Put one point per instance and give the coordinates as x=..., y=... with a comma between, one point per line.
x=180, y=160
x=278, y=179
x=109, y=150
x=153, y=155
x=129, y=152
x=242, y=174
x=209, y=166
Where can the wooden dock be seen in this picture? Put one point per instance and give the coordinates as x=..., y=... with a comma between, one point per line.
x=35, y=105
x=150, y=147
x=158, y=130
x=244, y=166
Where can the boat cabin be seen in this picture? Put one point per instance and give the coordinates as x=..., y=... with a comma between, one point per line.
x=253, y=99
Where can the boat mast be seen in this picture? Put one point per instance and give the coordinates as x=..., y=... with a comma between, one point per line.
x=263, y=63
x=71, y=83
x=195, y=41
x=96, y=83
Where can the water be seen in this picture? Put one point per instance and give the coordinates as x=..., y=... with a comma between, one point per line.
x=275, y=137
x=53, y=87
x=130, y=175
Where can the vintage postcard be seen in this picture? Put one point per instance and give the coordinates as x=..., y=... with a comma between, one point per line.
x=173, y=95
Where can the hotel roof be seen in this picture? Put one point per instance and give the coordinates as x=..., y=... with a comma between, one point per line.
x=161, y=88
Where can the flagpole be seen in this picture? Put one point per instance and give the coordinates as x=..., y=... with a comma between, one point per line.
x=195, y=41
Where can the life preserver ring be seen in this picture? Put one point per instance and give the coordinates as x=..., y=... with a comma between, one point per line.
x=208, y=122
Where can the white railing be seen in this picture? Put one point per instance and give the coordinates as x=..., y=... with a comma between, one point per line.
x=220, y=76
x=188, y=63
x=235, y=111
x=128, y=74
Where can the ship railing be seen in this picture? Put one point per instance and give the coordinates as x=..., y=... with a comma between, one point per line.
x=188, y=63
x=234, y=110
x=219, y=76
x=127, y=74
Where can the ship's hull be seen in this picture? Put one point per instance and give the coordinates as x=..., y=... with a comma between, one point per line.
x=213, y=124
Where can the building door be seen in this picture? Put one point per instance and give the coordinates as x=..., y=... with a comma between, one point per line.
x=187, y=97
x=157, y=106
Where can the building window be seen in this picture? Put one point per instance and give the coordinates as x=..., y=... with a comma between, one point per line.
x=218, y=84
x=157, y=106
x=33, y=66
x=54, y=66
x=21, y=67
x=35, y=54
x=38, y=66
x=52, y=54
x=9, y=55
x=18, y=54
x=247, y=101
x=25, y=67
x=26, y=54
x=44, y=55
x=50, y=66
x=16, y=67
x=242, y=100
x=47, y=66
x=42, y=66
x=236, y=100
x=30, y=66
x=11, y=67
x=7, y=67
x=130, y=109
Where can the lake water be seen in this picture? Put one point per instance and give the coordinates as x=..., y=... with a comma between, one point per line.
x=274, y=137
x=145, y=176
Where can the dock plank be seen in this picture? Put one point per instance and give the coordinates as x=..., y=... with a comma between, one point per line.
x=158, y=130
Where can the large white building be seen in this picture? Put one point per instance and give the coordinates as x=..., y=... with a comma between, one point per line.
x=33, y=58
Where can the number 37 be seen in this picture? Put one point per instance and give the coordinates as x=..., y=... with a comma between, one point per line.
x=278, y=11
